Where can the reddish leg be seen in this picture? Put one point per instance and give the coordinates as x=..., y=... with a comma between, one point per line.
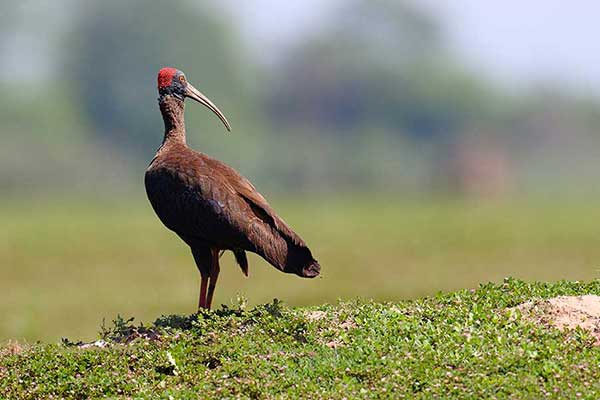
x=214, y=275
x=203, y=258
x=202, y=297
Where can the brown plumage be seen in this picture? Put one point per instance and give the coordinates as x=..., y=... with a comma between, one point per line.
x=209, y=204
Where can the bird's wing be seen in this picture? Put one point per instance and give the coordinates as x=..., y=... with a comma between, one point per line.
x=261, y=209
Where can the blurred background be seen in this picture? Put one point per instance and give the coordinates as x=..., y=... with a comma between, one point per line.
x=417, y=146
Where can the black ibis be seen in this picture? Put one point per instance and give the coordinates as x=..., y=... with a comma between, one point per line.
x=209, y=205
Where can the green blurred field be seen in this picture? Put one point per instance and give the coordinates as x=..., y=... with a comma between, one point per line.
x=64, y=266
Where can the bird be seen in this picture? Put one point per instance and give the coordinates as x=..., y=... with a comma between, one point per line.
x=209, y=205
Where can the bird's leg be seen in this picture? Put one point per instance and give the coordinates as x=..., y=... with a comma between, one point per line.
x=203, y=259
x=202, y=297
x=214, y=275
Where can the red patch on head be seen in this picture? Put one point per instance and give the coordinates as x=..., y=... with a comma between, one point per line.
x=165, y=77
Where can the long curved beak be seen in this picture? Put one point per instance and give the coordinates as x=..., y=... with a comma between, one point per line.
x=195, y=94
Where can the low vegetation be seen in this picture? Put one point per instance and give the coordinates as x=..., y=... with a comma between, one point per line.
x=461, y=344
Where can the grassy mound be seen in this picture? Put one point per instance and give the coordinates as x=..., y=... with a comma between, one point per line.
x=463, y=344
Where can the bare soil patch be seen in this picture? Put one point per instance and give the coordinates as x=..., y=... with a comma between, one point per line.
x=565, y=313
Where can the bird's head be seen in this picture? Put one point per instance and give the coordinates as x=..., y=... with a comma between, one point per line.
x=172, y=82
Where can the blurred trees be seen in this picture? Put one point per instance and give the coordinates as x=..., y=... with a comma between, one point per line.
x=114, y=53
x=378, y=82
x=372, y=100
x=377, y=63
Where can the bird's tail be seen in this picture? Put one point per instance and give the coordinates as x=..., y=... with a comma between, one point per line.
x=301, y=262
x=241, y=259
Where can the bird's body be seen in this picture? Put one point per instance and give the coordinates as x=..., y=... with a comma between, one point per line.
x=213, y=208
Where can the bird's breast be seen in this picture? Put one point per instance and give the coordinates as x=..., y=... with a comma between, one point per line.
x=178, y=196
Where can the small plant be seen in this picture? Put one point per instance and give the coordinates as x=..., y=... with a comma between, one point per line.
x=274, y=308
x=120, y=328
x=177, y=322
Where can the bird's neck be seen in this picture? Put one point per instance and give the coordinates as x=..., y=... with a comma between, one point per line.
x=172, y=110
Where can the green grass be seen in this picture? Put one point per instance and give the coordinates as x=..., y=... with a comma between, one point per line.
x=66, y=266
x=458, y=345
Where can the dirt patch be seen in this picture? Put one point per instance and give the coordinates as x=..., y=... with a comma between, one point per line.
x=315, y=315
x=11, y=348
x=565, y=312
x=330, y=327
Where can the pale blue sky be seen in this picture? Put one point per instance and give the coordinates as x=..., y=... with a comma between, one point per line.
x=514, y=41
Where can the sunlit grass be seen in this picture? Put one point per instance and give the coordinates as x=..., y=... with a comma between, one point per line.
x=457, y=345
x=66, y=265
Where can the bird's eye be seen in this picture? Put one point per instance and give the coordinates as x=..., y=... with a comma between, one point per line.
x=182, y=79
